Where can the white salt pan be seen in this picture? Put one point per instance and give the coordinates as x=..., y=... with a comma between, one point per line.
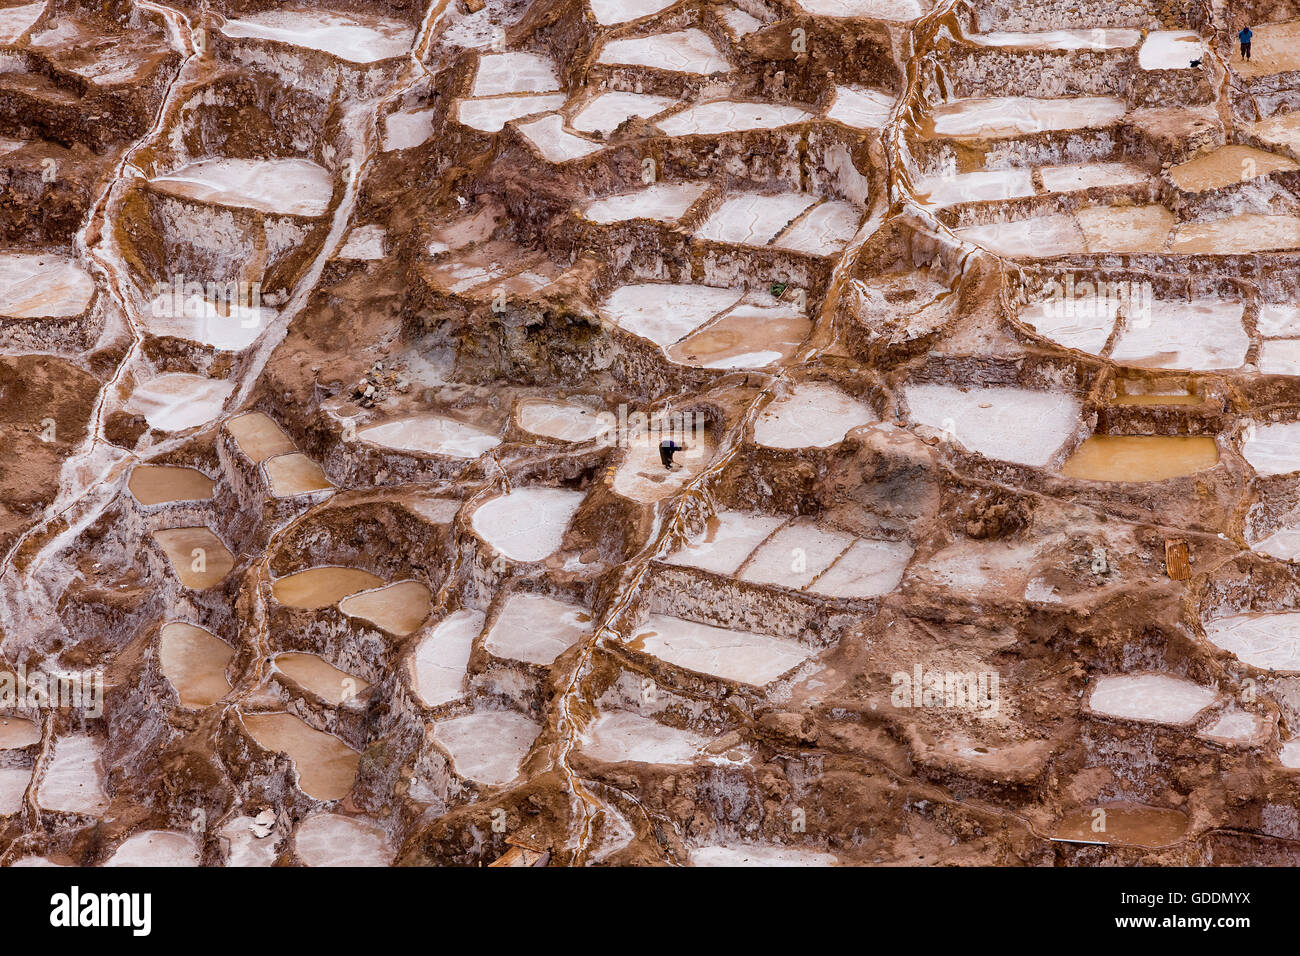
x=739, y=656
x=814, y=415
x=72, y=777
x=536, y=629
x=686, y=51
x=621, y=735
x=491, y=115
x=1150, y=697
x=438, y=666
x=861, y=108
x=331, y=839
x=1198, y=335
x=746, y=855
x=527, y=524
x=431, y=435
x=1266, y=641
x=1170, y=50
x=288, y=187
x=728, y=116
x=514, y=73
x=610, y=12
x=487, y=747
x=346, y=36
x=666, y=202
x=1010, y=424
x=156, y=848
x=728, y=540
x=176, y=401
x=41, y=285
x=663, y=312
x=608, y=110
x=556, y=144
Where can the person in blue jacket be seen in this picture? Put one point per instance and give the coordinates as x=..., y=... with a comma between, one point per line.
x=1244, y=36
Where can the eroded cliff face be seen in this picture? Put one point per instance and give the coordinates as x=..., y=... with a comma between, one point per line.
x=337, y=351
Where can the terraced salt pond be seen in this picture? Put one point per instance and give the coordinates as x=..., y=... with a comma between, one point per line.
x=1154, y=698
x=783, y=221
x=295, y=474
x=1273, y=449
x=331, y=839
x=618, y=736
x=355, y=37
x=901, y=11
x=161, y=484
x=487, y=747
x=665, y=202
x=1124, y=824
x=813, y=415
x=553, y=141
x=1005, y=116
x=430, y=435
x=1227, y=166
x=860, y=107
x=731, y=116
x=156, y=848
x=319, y=676
x=14, y=782
x=536, y=629
x=1170, y=50
x=1141, y=457
x=1099, y=39
x=286, y=187
x=610, y=109
x=527, y=524
x=198, y=557
x=492, y=115
x=73, y=777
x=742, y=854
x=514, y=72
x=194, y=662
x=562, y=421
x=1269, y=641
x=317, y=588
x=175, y=401
x=438, y=666
x=743, y=657
x=684, y=51
x=1009, y=424
x=259, y=437
x=17, y=732
x=326, y=766
x=611, y=12
x=641, y=475
x=43, y=285
x=226, y=326
x=398, y=608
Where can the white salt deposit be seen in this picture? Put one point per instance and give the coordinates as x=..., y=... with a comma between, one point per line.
x=796, y=554
x=998, y=116
x=514, y=73
x=71, y=781
x=620, y=736
x=663, y=312
x=729, y=116
x=685, y=51
x=1009, y=424
x=895, y=10
x=741, y=854
x=610, y=12
x=983, y=185
x=430, y=435
x=608, y=110
x=13, y=787
x=1278, y=320
x=1170, y=50
x=286, y=187
x=365, y=244
x=759, y=331
x=1280, y=357
x=1064, y=179
x=225, y=327
x=331, y=839
x=563, y=421
x=487, y=747
x=1157, y=698
x=860, y=107
x=1235, y=727
x=869, y=569
x=740, y=656
x=176, y=401
x=728, y=539
x=43, y=285
x=666, y=202
x=244, y=847
x=1289, y=754
x=407, y=129
x=1273, y=449
x=527, y=524
x=1083, y=324
x=15, y=21
x=156, y=848
x=353, y=37
x=536, y=629
x=553, y=141
x=813, y=415
x=1060, y=39
x=491, y=115
x=1267, y=641
x=440, y=659
x=1203, y=334
x=823, y=231
x=1038, y=237
x=753, y=219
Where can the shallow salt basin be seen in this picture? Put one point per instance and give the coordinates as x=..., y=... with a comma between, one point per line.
x=741, y=854
x=729, y=537
x=72, y=779
x=740, y=656
x=196, y=319
x=1202, y=335
x=259, y=437
x=316, y=588
x=731, y=116
x=158, y=484
x=491, y=115
x=1269, y=641
x=43, y=285
x=1083, y=324
x=1141, y=457
x=1125, y=228
x=861, y=108
x=527, y=524
x=175, y=401
x=1289, y=754
x=1283, y=544
x=15, y=21
x=198, y=557
x=1059, y=39
x=514, y=73
x=1273, y=449
x=1038, y=237
x=868, y=569
x=618, y=736
x=156, y=848
x=1156, y=698
x=16, y=732
x=407, y=129
x=1278, y=320
x=286, y=187
x=441, y=658
x=1227, y=166
x=796, y=554
x=312, y=672
x=993, y=117
x=357, y=38
x=326, y=765
x=1238, y=235
x=553, y=141
x=487, y=747
x=398, y=608
x=1280, y=357
x=895, y=10
x=563, y=421
x=1235, y=727
x=365, y=244
x=813, y=415
x=194, y=663
x=753, y=219
x=430, y=435
x=610, y=109
x=985, y=185
x=536, y=629
x=685, y=51
x=748, y=336
x=13, y=787
x=1076, y=176
x=295, y=474
x=610, y=12
x=665, y=202
x=331, y=839
x=1009, y=424
x=641, y=475
x=1124, y=824
x=823, y=231
x=1170, y=50
x=664, y=312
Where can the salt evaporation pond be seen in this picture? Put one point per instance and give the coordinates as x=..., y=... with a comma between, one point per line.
x=553, y=141
x=752, y=218
x=355, y=37
x=259, y=437
x=622, y=736
x=487, y=747
x=331, y=839
x=73, y=777
x=175, y=401
x=514, y=73
x=1273, y=449
x=1269, y=641
x=1170, y=50
x=286, y=187
x=1124, y=824
x=326, y=765
x=901, y=11
x=295, y=474
x=194, y=662
x=18, y=732
x=740, y=656
x=317, y=588
x=1002, y=116
x=1204, y=334
x=527, y=524
x=743, y=854
x=198, y=557
x=536, y=629
x=729, y=538
x=665, y=202
x=861, y=108
x=160, y=484
x=563, y=421
x=492, y=115
x=611, y=12
x=1156, y=698
x=430, y=435
x=43, y=285
x=610, y=109
x=731, y=116
x=813, y=415
x=227, y=327
x=13, y=787
x=313, y=673
x=1009, y=424
x=1141, y=457
x=398, y=608
x=685, y=51
x=748, y=336
x=156, y=848
x=441, y=658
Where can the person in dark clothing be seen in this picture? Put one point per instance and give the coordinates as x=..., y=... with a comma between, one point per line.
x=1245, y=36
x=668, y=448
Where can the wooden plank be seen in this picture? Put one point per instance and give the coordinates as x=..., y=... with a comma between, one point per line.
x=1178, y=562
